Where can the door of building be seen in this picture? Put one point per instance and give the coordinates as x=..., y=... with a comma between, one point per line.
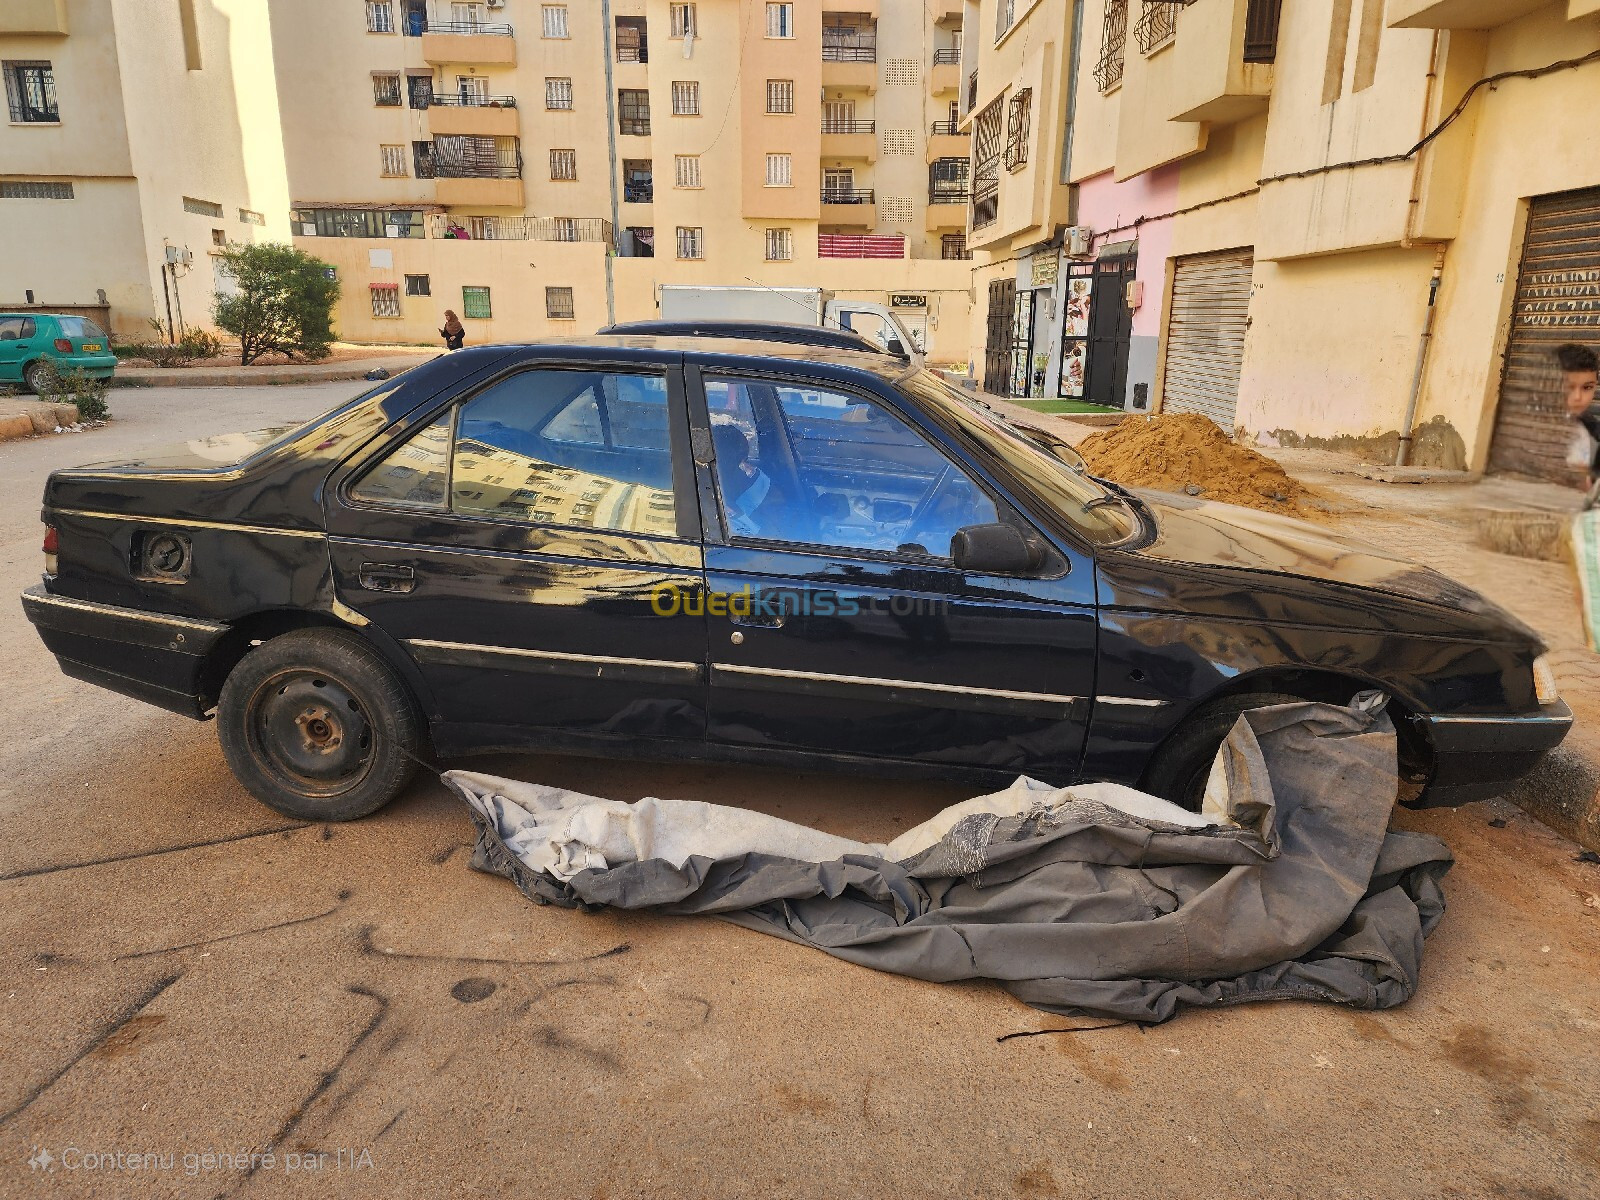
x=1205, y=334
x=997, y=337
x=1105, y=375
x=1022, y=344
x=1558, y=300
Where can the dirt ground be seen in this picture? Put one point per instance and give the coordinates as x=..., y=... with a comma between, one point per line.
x=186, y=973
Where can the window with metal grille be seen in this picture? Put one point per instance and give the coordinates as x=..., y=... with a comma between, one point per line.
x=385, y=300
x=683, y=24
x=691, y=241
x=780, y=170
x=780, y=20
x=251, y=217
x=1157, y=24
x=201, y=208
x=422, y=159
x=633, y=111
x=780, y=245
x=380, y=16
x=987, y=146
x=632, y=40
x=30, y=189
x=687, y=170
x=953, y=245
x=1113, y=37
x=475, y=301
x=1018, y=115
x=558, y=304
x=948, y=180
x=386, y=91
x=31, y=93
x=780, y=95
x=563, y=164
x=419, y=91
x=558, y=93
x=393, y=161
x=1005, y=15
x=555, y=20
x=419, y=285
x=686, y=99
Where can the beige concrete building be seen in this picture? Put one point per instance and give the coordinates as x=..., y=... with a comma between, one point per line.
x=141, y=134
x=542, y=168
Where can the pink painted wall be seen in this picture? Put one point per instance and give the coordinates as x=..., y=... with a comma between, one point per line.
x=1110, y=209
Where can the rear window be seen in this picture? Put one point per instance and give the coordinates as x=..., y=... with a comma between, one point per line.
x=79, y=327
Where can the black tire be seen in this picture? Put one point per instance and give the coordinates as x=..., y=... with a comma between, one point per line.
x=39, y=375
x=318, y=727
x=1179, y=770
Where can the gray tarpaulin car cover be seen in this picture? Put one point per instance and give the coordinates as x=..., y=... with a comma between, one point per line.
x=1089, y=900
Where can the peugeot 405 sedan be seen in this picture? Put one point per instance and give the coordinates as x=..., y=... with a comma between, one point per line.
x=708, y=549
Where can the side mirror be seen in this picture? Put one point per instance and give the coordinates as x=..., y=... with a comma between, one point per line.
x=895, y=347
x=997, y=549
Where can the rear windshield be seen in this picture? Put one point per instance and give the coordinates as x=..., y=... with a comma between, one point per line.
x=79, y=327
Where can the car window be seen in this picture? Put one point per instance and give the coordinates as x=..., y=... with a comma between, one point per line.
x=79, y=327
x=579, y=448
x=815, y=466
x=10, y=329
x=415, y=474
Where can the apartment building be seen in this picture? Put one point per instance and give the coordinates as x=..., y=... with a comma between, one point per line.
x=1342, y=222
x=141, y=136
x=542, y=168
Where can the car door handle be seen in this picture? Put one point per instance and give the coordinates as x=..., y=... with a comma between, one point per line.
x=385, y=577
x=757, y=619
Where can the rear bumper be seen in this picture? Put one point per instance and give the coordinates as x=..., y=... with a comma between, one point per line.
x=154, y=657
x=1476, y=758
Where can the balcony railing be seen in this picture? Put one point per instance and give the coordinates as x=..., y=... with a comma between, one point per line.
x=860, y=245
x=849, y=45
x=949, y=195
x=1113, y=38
x=521, y=229
x=639, y=193
x=1261, y=31
x=495, y=29
x=471, y=101
x=1157, y=24
x=848, y=126
x=847, y=196
x=947, y=56
x=944, y=129
x=454, y=170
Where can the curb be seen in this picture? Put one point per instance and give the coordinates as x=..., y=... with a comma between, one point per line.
x=136, y=377
x=45, y=419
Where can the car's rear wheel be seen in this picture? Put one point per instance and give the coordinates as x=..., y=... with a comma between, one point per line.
x=40, y=376
x=1179, y=770
x=317, y=726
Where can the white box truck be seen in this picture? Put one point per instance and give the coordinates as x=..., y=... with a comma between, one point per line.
x=792, y=306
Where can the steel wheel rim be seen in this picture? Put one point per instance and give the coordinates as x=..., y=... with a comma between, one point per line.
x=310, y=732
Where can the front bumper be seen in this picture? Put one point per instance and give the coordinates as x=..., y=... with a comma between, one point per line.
x=155, y=657
x=1477, y=758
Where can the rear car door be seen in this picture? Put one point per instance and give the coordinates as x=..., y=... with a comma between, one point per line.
x=16, y=344
x=838, y=623
x=515, y=543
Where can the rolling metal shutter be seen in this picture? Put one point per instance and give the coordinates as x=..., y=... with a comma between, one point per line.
x=1205, y=335
x=1558, y=300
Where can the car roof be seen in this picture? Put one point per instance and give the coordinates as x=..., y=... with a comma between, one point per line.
x=742, y=352
x=790, y=332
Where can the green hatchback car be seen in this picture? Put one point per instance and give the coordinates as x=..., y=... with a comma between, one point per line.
x=33, y=345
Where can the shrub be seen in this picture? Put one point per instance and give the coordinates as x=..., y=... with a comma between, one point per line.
x=87, y=392
x=195, y=344
x=283, y=303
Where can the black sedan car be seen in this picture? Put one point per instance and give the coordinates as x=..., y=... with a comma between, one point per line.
x=731, y=550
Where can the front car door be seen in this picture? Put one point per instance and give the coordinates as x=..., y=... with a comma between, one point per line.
x=837, y=622
x=515, y=542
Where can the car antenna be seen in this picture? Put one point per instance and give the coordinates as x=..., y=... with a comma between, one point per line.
x=792, y=300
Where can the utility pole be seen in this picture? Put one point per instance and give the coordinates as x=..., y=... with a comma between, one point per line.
x=611, y=167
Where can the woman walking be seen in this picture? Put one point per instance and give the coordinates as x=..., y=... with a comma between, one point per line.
x=454, y=333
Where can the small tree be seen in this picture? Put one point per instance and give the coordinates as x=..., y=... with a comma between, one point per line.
x=284, y=302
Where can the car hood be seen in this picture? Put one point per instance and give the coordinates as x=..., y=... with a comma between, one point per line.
x=1207, y=534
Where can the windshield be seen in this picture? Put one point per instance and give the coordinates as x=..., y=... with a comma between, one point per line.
x=1090, y=507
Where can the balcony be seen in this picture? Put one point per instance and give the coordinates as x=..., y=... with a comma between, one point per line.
x=1157, y=24
x=850, y=57
x=1462, y=14
x=473, y=116
x=520, y=229
x=33, y=16
x=945, y=74
x=472, y=43
x=947, y=208
x=945, y=142
x=633, y=40
x=859, y=245
x=850, y=139
x=849, y=206
x=1211, y=78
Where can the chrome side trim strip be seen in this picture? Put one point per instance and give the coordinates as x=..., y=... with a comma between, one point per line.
x=184, y=523
x=1132, y=700
x=44, y=600
x=688, y=669
x=1522, y=720
x=910, y=684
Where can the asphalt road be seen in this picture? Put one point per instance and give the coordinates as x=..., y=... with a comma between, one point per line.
x=184, y=972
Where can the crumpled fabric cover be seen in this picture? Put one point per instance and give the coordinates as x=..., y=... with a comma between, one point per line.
x=1088, y=900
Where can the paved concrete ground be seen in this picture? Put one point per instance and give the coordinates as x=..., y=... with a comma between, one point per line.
x=351, y=364
x=183, y=971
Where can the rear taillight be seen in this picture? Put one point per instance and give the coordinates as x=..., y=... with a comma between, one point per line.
x=64, y=346
x=52, y=547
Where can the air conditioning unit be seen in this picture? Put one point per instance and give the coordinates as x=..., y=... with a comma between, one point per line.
x=180, y=254
x=1079, y=240
x=497, y=3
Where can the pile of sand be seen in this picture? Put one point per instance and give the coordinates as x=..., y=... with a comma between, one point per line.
x=1188, y=453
